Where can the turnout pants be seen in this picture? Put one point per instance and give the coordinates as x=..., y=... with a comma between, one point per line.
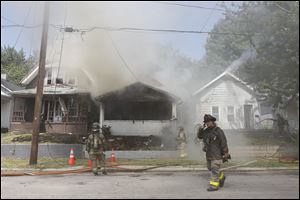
x=97, y=158
x=216, y=175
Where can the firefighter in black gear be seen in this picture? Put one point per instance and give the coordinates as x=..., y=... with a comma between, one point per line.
x=215, y=146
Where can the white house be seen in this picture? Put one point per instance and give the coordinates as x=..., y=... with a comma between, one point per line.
x=230, y=100
x=6, y=102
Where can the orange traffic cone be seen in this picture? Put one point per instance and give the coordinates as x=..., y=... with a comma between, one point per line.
x=72, y=158
x=89, y=163
x=113, y=157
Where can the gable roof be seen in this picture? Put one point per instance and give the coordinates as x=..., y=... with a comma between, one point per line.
x=222, y=76
x=139, y=91
x=7, y=88
x=34, y=72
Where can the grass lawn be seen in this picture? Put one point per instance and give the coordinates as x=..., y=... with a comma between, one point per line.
x=25, y=138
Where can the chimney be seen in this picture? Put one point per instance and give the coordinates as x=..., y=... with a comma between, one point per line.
x=3, y=76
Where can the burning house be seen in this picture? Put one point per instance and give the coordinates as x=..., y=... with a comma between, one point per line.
x=138, y=109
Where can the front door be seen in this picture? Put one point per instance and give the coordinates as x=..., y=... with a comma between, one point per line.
x=248, y=116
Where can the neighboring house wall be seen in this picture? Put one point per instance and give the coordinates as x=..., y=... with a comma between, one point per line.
x=236, y=108
x=6, y=108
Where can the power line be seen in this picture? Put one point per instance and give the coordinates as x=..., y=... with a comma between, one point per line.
x=26, y=26
x=155, y=30
x=189, y=6
x=61, y=50
x=119, y=54
x=68, y=29
x=208, y=18
x=22, y=29
x=9, y=20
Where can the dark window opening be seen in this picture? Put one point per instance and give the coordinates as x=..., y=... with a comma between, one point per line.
x=59, y=81
x=119, y=110
x=49, y=78
x=71, y=81
x=215, y=112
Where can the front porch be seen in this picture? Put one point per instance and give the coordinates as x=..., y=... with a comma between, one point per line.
x=63, y=113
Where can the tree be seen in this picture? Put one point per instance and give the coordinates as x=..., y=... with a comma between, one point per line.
x=15, y=64
x=272, y=29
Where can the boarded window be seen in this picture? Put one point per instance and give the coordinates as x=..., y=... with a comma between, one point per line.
x=215, y=112
x=120, y=110
x=230, y=113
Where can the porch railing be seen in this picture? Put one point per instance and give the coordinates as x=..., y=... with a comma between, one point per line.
x=18, y=116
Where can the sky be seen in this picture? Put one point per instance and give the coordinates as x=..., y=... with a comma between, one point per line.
x=156, y=15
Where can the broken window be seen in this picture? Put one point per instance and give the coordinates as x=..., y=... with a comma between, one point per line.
x=57, y=112
x=49, y=77
x=119, y=110
x=71, y=81
x=230, y=113
x=215, y=112
x=73, y=107
x=59, y=79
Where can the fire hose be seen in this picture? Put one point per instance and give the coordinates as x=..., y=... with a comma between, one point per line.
x=76, y=171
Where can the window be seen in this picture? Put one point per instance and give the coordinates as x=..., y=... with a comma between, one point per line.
x=59, y=79
x=58, y=112
x=71, y=81
x=49, y=77
x=230, y=113
x=73, y=107
x=215, y=112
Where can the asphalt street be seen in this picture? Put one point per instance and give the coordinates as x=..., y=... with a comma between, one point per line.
x=250, y=185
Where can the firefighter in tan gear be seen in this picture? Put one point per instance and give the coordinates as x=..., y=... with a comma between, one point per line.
x=95, y=147
x=215, y=146
x=181, y=142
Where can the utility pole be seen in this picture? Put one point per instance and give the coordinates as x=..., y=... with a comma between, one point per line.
x=39, y=88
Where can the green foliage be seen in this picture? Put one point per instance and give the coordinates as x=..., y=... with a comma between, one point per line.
x=15, y=64
x=273, y=30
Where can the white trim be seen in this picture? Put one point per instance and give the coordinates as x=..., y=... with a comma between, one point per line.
x=219, y=77
x=6, y=88
x=30, y=76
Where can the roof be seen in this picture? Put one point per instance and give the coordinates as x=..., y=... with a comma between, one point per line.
x=139, y=91
x=223, y=76
x=7, y=88
x=33, y=73
x=49, y=90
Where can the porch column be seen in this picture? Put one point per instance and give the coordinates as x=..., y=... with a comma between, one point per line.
x=174, y=113
x=101, y=117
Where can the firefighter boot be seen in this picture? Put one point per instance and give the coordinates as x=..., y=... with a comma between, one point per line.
x=212, y=188
x=222, y=178
x=213, y=185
